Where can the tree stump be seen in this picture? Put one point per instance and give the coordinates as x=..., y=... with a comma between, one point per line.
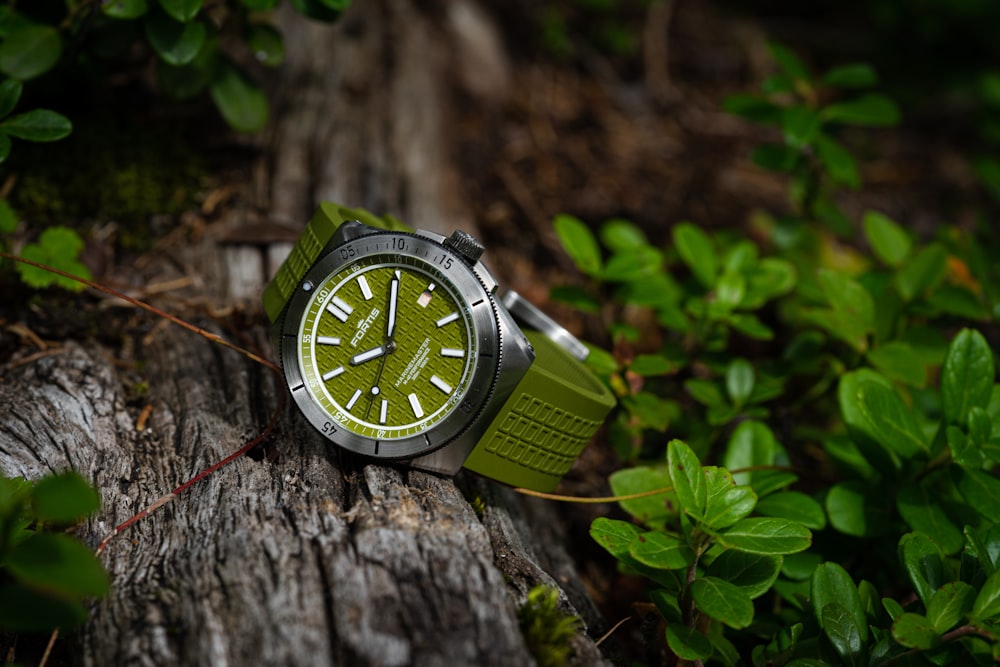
x=297, y=554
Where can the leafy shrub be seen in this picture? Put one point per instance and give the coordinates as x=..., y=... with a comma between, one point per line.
x=849, y=396
x=186, y=38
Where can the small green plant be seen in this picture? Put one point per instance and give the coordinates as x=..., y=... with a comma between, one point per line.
x=547, y=630
x=57, y=246
x=799, y=105
x=46, y=576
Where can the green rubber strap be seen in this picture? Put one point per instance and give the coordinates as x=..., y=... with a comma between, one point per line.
x=548, y=418
x=545, y=423
x=318, y=232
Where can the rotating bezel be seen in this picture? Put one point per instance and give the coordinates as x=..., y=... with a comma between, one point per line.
x=407, y=250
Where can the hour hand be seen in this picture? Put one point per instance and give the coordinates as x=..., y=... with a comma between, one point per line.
x=367, y=355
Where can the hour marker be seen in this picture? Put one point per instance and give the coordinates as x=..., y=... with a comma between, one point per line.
x=354, y=399
x=418, y=411
x=447, y=319
x=440, y=384
x=332, y=374
x=327, y=340
x=339, y=309
x=366, y=291
x=452, y=352
x=383, y=412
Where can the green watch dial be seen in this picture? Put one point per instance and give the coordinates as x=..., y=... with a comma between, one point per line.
x=386, y=347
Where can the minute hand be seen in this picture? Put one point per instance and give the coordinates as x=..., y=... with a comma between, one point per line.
x=393, y=298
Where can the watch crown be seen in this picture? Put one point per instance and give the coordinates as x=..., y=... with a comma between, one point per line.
x=466, y=246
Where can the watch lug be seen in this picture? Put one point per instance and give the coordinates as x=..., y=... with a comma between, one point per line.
x=349, y=230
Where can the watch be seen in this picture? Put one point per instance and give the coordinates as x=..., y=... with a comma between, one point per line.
x=395, y=344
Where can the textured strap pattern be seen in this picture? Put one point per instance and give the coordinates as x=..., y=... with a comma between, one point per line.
x=545, y=424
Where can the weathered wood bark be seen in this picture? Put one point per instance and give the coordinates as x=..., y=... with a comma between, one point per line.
x=298, y=555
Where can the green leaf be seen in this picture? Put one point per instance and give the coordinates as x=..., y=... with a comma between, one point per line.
x=24, y=609
x=753, y=107
x=8, y=219
x=919, y=507
x=124, y=9
x=182, y=10
x=751, y=444
x=618, y=234
x=265, y=43
x=10, y=93
x=661, y=551
x=239, y=100
x=957, y=300
x=696, y=249
x=579, y=243
x=846, y=295
x=967, y=376
x=750, y=325
x=30, y=51
x=890, y=243
x=705, y=392
x=788, y=61
x=687, y=643
x=687, y=477
x=869, y=110
x=722, y=601
x=58, y=563
x=753, y=573
x=176, y=43
x=859, y=423
x=980, y=490
x=855, y=75
x=766, y=535
x=318, y=9
x=776, y=157
x=726, y=502
x=260, y=5
x=57, y=247
x=899, y=361
x=987, y=604
x=614, y=535
x=64, y=498
x=633, y=264
x=799, y=125
x=831, y=584
x=652, y=411
x=843, y=632
x=856, y=509
x=892, y=421
x=793, y=506
x=648, y=365
x=769, y=278
x=838, y=161
x=740, y=380
x=950, y=604
x=577, y=297
x=915, y=631
x=924, y=564
x=37, y=125
x=922, y=271
x=192, y=79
